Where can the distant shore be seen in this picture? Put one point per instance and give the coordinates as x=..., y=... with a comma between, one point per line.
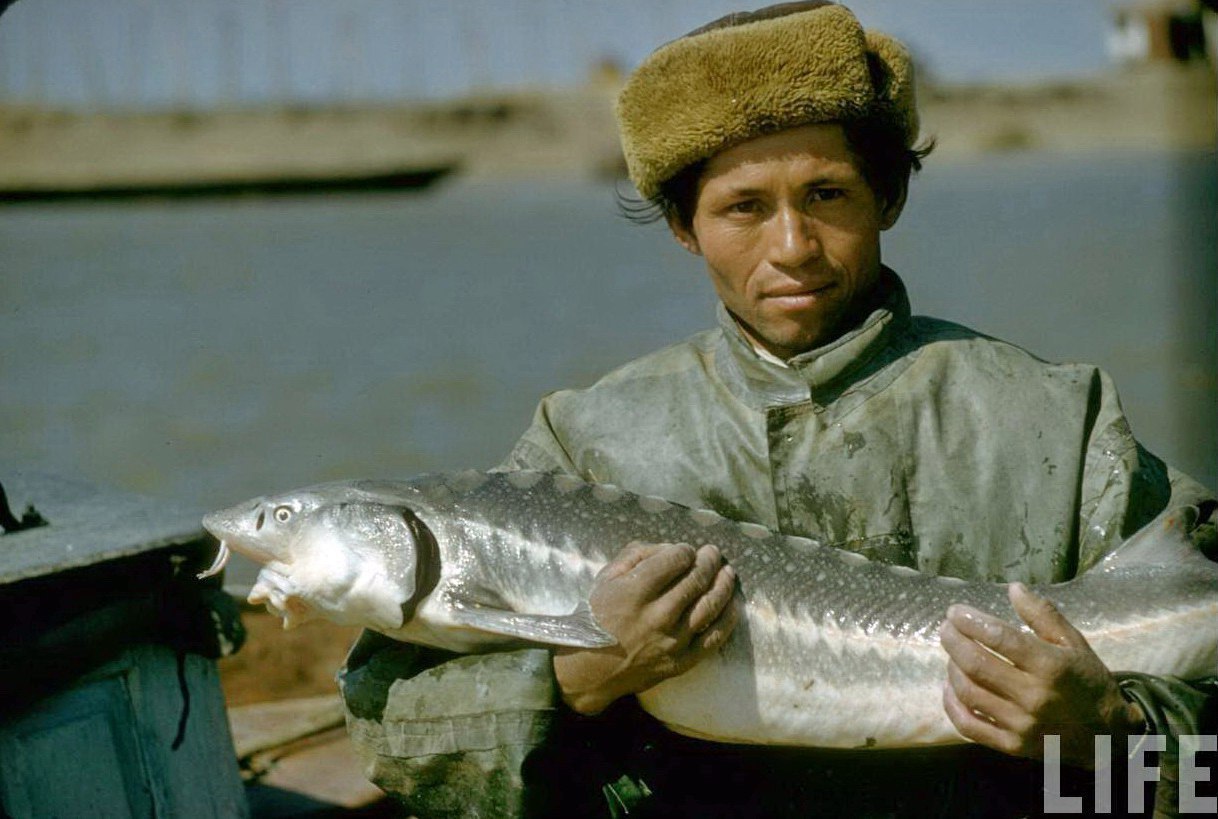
x=560, y=134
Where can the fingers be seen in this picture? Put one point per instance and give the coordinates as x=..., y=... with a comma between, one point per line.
x=667, y=605
x=711, y=639
x=1007, y=689
x=661, y=564
x=661, y=587
x=976, y=727
x=635, y=553
x=981, y=666
x=1043, y=617
x=714, y=637
x=687, y=592
x=710, y=605
x=1003, y=713
x=1021, y=649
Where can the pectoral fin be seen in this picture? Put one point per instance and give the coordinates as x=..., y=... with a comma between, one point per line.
x=276, y=592
x=578, y=629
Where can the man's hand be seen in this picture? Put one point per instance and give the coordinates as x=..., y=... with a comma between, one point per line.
x=1007, y=689
x=668, y=606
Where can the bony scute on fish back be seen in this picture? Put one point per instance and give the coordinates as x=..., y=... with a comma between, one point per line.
x=508, y=559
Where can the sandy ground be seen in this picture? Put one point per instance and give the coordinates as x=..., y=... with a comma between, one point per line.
x=277, y=664
x=555, y=133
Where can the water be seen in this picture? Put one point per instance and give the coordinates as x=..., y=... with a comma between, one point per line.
x=209, y=351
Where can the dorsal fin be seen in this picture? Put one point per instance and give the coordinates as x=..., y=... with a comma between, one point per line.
x=1162, y=542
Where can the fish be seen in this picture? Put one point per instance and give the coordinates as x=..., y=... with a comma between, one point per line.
x=831, y=649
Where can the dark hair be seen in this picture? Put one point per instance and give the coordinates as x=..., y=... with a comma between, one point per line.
x=877, y=143
x=676, y=201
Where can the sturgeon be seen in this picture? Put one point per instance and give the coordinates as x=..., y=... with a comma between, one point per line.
x=831, y=649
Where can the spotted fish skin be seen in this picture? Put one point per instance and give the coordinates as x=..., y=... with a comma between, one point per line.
x=832, y=650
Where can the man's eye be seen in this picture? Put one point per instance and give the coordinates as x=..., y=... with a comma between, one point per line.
x=824, y=194
x=745, y=206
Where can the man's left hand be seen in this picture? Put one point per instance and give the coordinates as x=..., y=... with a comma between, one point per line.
x=1006, y=689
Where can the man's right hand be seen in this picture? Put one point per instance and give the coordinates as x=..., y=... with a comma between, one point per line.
x=668, y=606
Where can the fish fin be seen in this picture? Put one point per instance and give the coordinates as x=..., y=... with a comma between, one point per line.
x=275, y=591
x=1164, y=541
x=578, y=629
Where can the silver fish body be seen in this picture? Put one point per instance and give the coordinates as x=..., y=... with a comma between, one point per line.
x=832, y=650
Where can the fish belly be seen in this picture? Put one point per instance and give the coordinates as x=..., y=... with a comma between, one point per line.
x=827, y=688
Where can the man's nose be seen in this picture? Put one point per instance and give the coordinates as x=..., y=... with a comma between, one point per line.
x=794, y=238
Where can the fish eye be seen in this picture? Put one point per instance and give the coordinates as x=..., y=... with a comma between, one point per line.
x=283, y=513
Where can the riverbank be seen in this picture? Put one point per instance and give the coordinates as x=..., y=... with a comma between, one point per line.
x=569, y=134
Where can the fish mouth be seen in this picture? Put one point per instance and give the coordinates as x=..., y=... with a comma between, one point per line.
x=231, y=544
x=235, y=534
x=221, y=560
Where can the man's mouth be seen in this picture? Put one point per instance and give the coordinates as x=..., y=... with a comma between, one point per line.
x=800, y=296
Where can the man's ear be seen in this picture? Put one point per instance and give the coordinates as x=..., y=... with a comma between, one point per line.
x=892, y=210
x=685, y=237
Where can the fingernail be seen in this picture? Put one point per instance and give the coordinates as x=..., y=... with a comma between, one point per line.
x=971, y=615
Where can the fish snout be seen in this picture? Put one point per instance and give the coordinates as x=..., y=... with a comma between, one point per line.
x=216, y=524
x=233, y=522
x=242, y=528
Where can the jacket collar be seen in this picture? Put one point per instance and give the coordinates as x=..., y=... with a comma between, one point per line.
x=816, y=375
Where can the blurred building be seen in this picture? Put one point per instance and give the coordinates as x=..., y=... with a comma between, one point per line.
x=1161, y=31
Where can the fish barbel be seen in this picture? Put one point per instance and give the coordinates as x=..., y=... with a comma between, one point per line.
x=831, y=649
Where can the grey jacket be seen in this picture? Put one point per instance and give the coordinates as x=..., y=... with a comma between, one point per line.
x=912, y=440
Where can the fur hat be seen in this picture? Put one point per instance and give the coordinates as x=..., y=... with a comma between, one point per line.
x=750, y=74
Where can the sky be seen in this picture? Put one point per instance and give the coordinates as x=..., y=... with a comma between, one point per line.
x=182, y=53
x=985, y=40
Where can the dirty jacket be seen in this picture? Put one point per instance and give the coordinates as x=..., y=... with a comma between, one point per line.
x=912, y=440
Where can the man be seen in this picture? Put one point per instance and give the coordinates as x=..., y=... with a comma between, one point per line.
x=778, y=146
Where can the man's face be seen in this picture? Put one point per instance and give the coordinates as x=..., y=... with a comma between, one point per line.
x=790, y=231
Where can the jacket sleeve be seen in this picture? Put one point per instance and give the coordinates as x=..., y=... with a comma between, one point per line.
x=446, y=734
x=1124, y=487
x=540, y=448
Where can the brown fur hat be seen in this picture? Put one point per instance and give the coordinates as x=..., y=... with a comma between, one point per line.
x=751, y=74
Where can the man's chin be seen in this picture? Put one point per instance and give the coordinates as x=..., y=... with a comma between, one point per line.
x=786, y=335
x=787, y=342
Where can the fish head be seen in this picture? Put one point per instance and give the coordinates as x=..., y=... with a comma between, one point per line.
x=338, y=551
x=265, y=529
